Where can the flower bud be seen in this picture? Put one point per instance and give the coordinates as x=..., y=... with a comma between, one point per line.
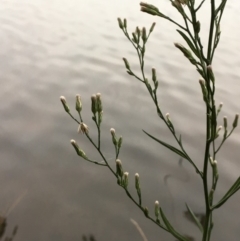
x=137, y=183
x=120, y=142
x=100, y=117
x=112, y=131
x=215, y=169
x=211, y=195
x=126, y=63
x=80, y=152
x=186, y=53
x=119, y=168
x=178, y=5
x=135, y=39
x=125, y=179
x=64, y=102
x=114, y=138
x=138, y=31
x=94, y=104
x=219, y=108
x=210, y=73
x=149, y=6
x=225, y=122
x=137, y=186
x=204, y=89
x=219, y=129
x=120, y=23
x=78, y=103
x=235, y=122
x=152, y=27
x=149, y=11
x=154, y=76
x=144, y=35
x=197, y=27
x=157, y=209
x=211, y=161
x=99, y=102
x=146, y=211
x=125, y=23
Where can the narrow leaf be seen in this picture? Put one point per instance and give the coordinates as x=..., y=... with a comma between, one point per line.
x=190, y=44
x=235, y=187
x=180, y=141
x=171, y=229
x=177, y=151
x=195, y=219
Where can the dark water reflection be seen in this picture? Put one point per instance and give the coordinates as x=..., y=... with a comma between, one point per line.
x=53, y=48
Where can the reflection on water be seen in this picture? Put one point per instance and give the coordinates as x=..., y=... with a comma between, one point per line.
x=54, y=48
x=91, y=238
x=3, y=226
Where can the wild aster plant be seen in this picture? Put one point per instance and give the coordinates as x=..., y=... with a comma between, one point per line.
x=193, y=51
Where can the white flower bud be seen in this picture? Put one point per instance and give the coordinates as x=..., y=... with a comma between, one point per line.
x=219, y=129
x=98, y=95
x=64, y=102
x=112, y=131
x=78, y=103
x=119, y=168
x=79, y=151
x=125, y=179
x=156, y=209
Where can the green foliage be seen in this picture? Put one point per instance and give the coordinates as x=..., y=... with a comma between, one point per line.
x=193, y=51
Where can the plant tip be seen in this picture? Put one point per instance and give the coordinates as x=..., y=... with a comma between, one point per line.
x=112, y=130
x=98, y=95
x=118, y=162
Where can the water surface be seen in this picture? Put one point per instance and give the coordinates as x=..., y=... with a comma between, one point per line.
x=54, y=48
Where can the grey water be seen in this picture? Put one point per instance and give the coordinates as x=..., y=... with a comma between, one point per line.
x=54, y=48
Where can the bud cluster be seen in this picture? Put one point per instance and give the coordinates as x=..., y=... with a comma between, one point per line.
x=117, y=142
x=97, y=108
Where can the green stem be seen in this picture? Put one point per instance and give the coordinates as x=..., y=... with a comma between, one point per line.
x=205, y=179
x=211, y=31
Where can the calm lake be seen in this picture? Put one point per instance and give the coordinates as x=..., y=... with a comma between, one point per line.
x=54, y=48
